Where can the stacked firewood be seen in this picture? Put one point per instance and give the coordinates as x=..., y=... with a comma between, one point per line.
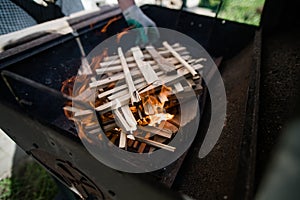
x=137, y=96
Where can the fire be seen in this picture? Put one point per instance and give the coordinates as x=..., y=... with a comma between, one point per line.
x=124, y=32
x=120, y=35
x=75, y=86
x=104, y=29
x=154, y=107
x=96, y=60
x=67, y=86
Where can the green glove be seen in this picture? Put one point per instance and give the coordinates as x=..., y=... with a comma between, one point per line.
x=148, y=32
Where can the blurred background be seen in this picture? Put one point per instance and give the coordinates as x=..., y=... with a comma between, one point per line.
x=247, y=12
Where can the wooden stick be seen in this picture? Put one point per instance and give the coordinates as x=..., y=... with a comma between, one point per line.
x=120, y=76
x=162, y=51
x=143, y=145
x=121, y=122
x=178, y=87
x=83, y=113
x=175, y=78
x=113, y=139
x=124, y=99
x=165, y=125
x=136, y=143
x=145, y=68
x=109, y=127
x=165, y=129
x=156, y=131
x=114, y=78
x=136, y=82
x=155, y=144
x=159, y=139
x=71, y=109
x=126, y=120
x=123, y=138
x=116, y=65
x=118, y=88
x=135, y=97
x=125, y=90
x=176, y=55
x=129, y=116
x=117, y=95
x=130, y=142
x=98, y=130
x=78, y=112
x=166, y=66
x=175, y=45
x=91, y=126
x=191, y=83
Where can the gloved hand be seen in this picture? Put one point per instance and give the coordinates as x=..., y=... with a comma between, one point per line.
x=148, y=32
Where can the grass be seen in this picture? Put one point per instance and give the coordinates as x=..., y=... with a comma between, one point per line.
x=34, y=184
x=243, y=11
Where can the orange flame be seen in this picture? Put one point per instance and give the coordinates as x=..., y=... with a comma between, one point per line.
x=82, y=84
x=104, y=29
x=81, y=132
x=124, y=32
x=95, y=64
x=67, y=86
x=153, y=106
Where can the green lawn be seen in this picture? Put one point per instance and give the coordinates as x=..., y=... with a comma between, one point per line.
x=33, y=183
x=244, y=11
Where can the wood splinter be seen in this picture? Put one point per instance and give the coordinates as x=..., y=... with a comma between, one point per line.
x=123, y=140
x=145, y=68
x=125, y=119
x=166, y=66
x=183, y=62
x=135, y=97
x=155, y=144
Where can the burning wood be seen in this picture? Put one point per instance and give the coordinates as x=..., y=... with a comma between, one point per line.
x=122, y=143
x=155, y=144
x=146, y=69
x=125, y=120
x=138, y=96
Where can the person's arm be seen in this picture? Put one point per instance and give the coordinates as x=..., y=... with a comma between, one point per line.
x=124, y=4
x=135, y=17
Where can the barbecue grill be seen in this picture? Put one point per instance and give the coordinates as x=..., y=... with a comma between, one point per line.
x=33, y=69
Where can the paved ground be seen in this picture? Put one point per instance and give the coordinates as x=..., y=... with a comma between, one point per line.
x=7, y=151
x=10, y=154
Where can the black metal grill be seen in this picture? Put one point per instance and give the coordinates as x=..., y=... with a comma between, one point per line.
x=32, y=73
